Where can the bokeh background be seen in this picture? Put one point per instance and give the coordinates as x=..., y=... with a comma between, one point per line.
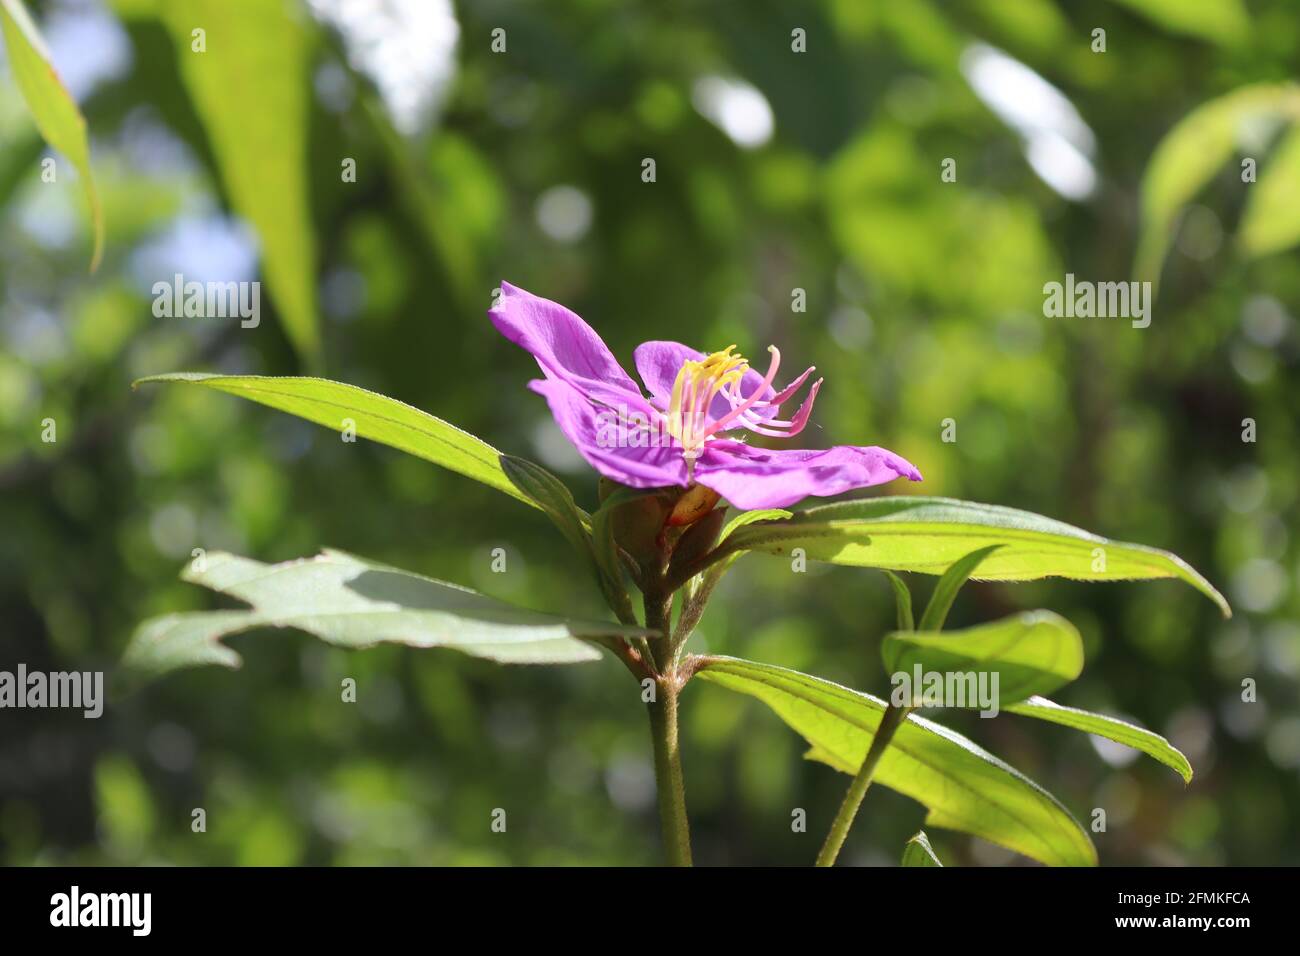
x=775, y=170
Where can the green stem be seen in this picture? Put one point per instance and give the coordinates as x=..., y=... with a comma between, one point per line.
x=890, y=721
x=658, y=612
x=663, y=731
x=668, y=774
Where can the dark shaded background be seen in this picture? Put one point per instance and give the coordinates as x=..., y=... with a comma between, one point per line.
x=924, y=303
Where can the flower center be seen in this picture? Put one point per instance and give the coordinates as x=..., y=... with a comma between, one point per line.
x=697, y=385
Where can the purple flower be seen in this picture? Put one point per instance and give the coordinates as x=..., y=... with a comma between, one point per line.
x=685, y=432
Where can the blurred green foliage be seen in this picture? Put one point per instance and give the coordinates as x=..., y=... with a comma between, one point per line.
x=924, y=303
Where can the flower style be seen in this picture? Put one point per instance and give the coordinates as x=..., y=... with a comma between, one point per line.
x=685, y=432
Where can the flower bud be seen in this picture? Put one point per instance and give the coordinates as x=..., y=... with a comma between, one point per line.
x=697, y=540
x=637, y=524
x=697, y=502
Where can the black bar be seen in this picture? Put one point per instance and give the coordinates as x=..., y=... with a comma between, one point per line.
x=227, y=905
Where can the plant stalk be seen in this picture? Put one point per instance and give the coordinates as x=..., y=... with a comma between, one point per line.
x=668, y=774
x=669, y=783
x=890, y=721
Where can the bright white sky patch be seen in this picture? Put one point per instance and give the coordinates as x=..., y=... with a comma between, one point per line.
x=406, y=47
x=88, y=47
x=1058, y=143
x=202, y=248
x=736, y=108
x=1061, y=165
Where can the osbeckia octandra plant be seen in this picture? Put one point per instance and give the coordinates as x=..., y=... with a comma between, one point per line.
x=671, y=464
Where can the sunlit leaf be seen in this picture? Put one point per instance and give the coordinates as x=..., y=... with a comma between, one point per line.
x=929, y=534
x=1112, y=728
x=945, y=591
x=700, y=586
x=251, y=87
x=964, y=787
x=749, y=517
x=902, y=601
x=1271, y=220
x=734, y=524
x=1032, y=653
x=354, y=603
x=1218, y=21
x=374, y=416
x=52, y=107
x=1190, y=154
x=918, y=851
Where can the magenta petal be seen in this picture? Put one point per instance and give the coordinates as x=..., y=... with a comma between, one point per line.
x=753, y=478
x=659, y=362
x=565, y=346
x=621, y=459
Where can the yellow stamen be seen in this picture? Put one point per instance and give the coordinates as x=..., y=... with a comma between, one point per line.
x=694, y=389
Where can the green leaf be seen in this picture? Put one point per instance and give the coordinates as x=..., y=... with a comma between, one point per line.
x=251, y=87
x=964, y=787
x=749, y=517
x=703, y=584
x=918, y=851
x=902, y=601
x=376, y=417
x=1032, y=653
x=1216, y=21
x=1112, y=728
x=52, y=107
x=929, y=534
x=1190, y=154
x=552, y=496
x=351, y=602
x=945, y=591
x=1271, y=220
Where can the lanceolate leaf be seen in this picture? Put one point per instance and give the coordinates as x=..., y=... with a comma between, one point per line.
x=1193, y=151
x=929, y=534
x=553, y=497
x=918, y=851
x=251, y=87
x=749, y=517
x=374, y=416
x=902, y=601
x=1271, y=220
x=965, y=787
x=1032, y=653
x=703, y=584
x=351, y=602
x=52, y=107
x=1216, y=21
x=734, y=525
x=550, y=494
x=1112, y=728
x=945, y=591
